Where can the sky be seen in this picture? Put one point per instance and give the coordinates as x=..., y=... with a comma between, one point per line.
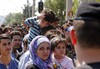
x=13, y=6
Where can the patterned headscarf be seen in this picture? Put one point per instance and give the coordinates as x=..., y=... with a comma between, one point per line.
x=33, y=48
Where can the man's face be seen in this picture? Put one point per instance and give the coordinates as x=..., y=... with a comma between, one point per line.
x=43, y=23
x=5, y=46
x=16, y=41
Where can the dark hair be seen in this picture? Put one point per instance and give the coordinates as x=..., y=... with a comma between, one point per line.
x=53, y=33
x=49, y=16
x=56, y=19
x=7, y=28
x=3, y=25
x=88, y=33
x=47, y=28
x=15, y=33
x=1, y=30
x=4, y=36
x=20, y=30
x=56, y=40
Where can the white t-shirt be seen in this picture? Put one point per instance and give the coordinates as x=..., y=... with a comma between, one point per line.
x=64, y=63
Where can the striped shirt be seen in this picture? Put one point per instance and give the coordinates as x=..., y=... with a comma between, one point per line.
x=35, y=29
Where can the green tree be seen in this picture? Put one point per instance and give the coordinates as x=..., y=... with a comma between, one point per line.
x=27, y=9
x=75, y=6
x=58, y=6
x=97, y=0
x=13, y=18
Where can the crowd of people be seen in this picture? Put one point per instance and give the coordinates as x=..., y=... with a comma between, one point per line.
x=42, y=43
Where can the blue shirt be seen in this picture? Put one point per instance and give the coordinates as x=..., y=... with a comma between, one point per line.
x=12, y=65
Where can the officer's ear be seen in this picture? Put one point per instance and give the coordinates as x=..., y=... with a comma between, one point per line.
x=73, y=36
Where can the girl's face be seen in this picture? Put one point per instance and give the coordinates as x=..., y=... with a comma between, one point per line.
x=43, y=51
x=60, y=49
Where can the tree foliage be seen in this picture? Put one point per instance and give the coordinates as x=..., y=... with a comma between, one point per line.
x=75, y=6
x=13, y=18
x=97, y=0
x=27, y=11
x=58, y=6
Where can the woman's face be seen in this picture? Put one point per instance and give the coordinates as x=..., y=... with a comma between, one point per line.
x=43, y=51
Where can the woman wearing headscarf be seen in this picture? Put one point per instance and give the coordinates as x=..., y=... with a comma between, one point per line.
x=40, y=53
